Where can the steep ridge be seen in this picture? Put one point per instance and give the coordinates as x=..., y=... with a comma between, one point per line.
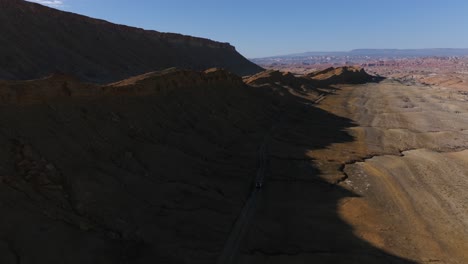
x=38, y=41
x=61, y=86
x=274, y=76
x=51, y=87
x=299, y=86
x=341, y=75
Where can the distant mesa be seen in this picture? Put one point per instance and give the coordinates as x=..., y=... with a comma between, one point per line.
x=38, y=41
x=374, y=53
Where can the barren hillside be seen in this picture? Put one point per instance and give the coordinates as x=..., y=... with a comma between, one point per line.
x=37, y=41
x=161, y=166
x=155, y=167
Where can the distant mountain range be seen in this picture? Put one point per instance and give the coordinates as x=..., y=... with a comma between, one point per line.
x=37, y=41
x=381, y=53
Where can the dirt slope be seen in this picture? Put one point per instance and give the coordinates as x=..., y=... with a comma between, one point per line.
x=151, y=168
x=157, y=167
x=407, y=166
x=38, y=41
x=450, y=80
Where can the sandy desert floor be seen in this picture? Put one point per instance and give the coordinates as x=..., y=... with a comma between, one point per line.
x=397, y=187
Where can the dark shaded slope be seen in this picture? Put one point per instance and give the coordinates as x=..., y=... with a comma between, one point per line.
x=37, y=41
x=156, y=169
x=150, y=169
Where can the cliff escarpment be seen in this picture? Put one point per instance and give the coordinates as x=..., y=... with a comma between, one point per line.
x=38, y=41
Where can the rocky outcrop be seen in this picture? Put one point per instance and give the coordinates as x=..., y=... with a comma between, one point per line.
x=273, y=76
x=171, y=79
x=37, y=41
x=285, y=81
x=341, y=75
x=278, y=78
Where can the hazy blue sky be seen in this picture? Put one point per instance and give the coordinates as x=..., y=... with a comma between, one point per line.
x=261, y=28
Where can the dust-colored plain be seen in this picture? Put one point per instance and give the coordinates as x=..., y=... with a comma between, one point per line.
x=412, y=182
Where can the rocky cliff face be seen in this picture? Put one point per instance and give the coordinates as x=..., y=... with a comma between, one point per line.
x=37, y=41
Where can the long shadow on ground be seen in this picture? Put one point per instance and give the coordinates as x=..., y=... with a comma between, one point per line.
x=161, y=178
x=297, y=220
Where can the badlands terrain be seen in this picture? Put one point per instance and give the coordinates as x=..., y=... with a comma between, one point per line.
x=395, y=159
x=122, y=145
x=37, y=41
x=164, y=166
x=407, y=166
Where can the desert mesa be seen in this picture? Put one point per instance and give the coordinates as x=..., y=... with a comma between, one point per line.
x=126, y=145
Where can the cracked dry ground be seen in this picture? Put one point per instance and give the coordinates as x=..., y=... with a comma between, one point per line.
x=399, y=185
